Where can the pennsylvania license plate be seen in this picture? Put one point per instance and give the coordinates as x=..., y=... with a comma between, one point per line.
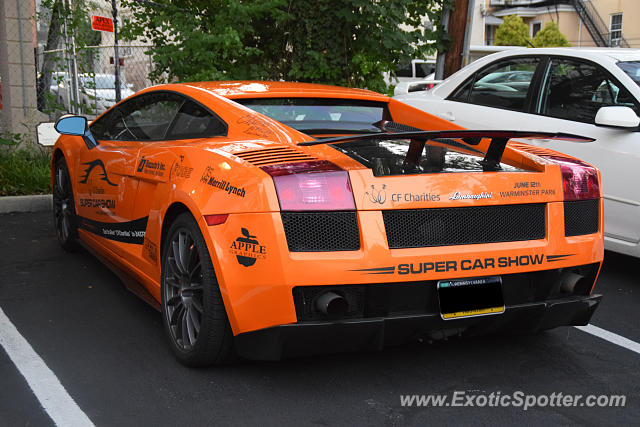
x=479, y=296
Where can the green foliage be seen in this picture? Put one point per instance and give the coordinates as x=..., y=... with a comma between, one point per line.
x=343, y=42
x=550, y=36
x=24, y=170
x=512, y=32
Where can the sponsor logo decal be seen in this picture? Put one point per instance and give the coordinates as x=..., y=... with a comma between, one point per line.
x=149, y=167
x=97, y=163
x=182, y=171
x=209, y=179
x=377, y=196
x=98, y=203
x=415, y=197
x=459, y=196
x=465, y=264
x=247, y=249
x=179, y=170
x=527, y=189
x=127, y=231
x=150, y=250
x=255, y=126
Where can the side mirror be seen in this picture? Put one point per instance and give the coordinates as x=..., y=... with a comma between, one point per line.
x=78, y=126
x=620, y=117
x=72, y=125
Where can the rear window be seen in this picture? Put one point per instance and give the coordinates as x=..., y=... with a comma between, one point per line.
x=320, y=115
x=387, y=157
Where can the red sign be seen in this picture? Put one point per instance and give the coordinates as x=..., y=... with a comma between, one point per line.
x=100, y=23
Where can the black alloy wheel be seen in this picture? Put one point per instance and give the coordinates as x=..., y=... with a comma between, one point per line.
x=64, y=211
x=193, y=312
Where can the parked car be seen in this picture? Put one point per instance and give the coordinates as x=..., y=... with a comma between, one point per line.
x=275, y=219
x=593, y=92
x=97, y=91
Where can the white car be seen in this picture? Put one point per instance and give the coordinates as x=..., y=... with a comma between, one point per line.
x=97, y=92
x=590, y=92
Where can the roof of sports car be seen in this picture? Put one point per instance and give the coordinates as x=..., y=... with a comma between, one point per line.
x=268, y=89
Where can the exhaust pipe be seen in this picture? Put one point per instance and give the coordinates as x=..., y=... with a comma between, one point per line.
x=332, y=305
x=569, y=281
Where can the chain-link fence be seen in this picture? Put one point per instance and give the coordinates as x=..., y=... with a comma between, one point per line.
x=85, y=83
x=53, y=62
x=78, y=69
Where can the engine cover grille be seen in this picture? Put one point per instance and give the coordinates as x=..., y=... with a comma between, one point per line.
x=321, y=231
x=417, y=228
x=581, y=217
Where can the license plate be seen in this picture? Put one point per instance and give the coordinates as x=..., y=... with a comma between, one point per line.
x=479, y=296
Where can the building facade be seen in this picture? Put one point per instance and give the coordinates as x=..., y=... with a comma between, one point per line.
x=585, y=23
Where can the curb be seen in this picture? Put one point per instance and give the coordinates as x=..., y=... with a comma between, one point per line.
x=33, y=203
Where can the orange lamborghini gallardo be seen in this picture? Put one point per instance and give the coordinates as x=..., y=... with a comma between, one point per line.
x=270, y=219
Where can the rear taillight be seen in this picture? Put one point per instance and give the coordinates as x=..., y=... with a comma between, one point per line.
x=312, y=186
x=579, y=180
x=216, y=219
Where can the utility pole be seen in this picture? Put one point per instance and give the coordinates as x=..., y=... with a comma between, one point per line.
x=115, y=49
x=458, y=20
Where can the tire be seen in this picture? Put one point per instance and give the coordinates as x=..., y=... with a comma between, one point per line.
x=193, y=312
x=64, y=208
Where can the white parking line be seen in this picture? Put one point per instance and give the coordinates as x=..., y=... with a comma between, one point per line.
x=45, y=385
x=611, y=337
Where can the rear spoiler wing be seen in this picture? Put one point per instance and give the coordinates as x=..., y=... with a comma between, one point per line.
x=491, y=161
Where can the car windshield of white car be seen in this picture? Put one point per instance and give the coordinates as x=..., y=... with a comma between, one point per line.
x=632, y=68
x=387, y=156
x=319, y=115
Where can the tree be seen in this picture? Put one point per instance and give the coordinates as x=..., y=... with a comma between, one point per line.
x=550, y=36
x=344, y=42
x=512, y=32
x=75, y=13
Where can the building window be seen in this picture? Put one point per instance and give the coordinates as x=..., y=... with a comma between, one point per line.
x=489, y=33
x=535, y=27
x=615, y=29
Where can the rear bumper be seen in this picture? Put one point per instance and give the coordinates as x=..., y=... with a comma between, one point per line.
x=317, y=337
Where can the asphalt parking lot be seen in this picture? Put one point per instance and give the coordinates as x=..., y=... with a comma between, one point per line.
x=108, y=350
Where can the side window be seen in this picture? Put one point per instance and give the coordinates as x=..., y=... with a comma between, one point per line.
x=502, y=85
x=423, y=69
x=143, y=118
x=193, y=121
x=404, y=71
x=99, y=127
x=576, y=90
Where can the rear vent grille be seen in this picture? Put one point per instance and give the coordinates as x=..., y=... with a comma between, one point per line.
x=321, y=231
x=417, y=228
x=581, y=217
x=271, y=156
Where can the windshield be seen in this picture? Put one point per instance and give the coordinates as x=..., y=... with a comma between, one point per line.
x=632, y=68
x=318, y=115
x=100, y=81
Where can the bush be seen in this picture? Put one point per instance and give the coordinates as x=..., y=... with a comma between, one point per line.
x=512, y=32
x=25, y=171
x=550, y=36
